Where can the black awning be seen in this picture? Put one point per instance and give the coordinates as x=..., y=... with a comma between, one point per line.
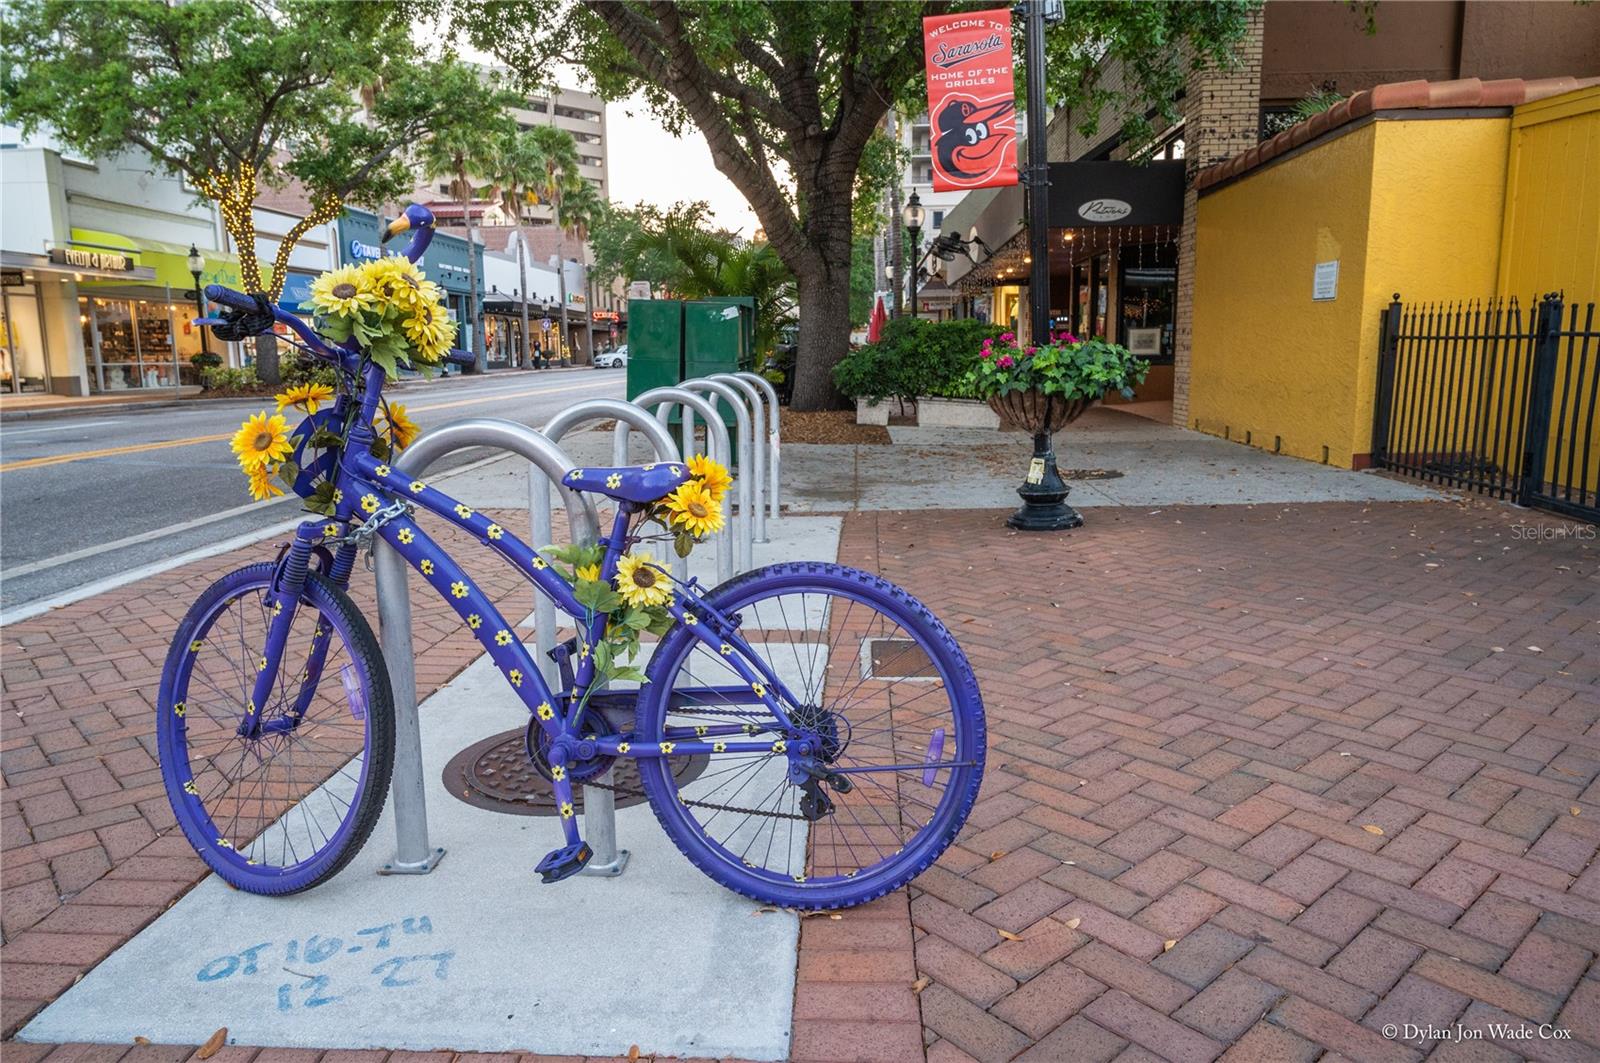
x=1084, y=194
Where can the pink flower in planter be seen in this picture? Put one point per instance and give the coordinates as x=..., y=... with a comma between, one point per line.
x=987, y=353
x=1030, y=351
x=1067, y=337
x=1006, y=361
x=1007, y=337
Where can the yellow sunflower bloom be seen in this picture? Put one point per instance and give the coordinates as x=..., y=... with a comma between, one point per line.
x=641, y=582
x=262, y=486
x=394, y=279
x=588, y=572
x=343, y=293
x=261, y=440
x=304, y=396
x=402, y=429
x=694, y=510
x=713, y=476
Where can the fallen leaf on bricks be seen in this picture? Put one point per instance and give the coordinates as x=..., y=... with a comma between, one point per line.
x=1008, y=935
x=1166, y=946
x=213, y=1044
x=141, y=1040
x=1372, y=828
x=633, y=1052
x=1072, y=924
x=997, y=854
x=920, y=984
x=1576, y=811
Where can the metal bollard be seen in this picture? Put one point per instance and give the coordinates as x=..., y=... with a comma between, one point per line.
x=758, y=456
x=743, y=521
x=662, y=400
x=599, y=803
x=774, y=437
x=413, y=855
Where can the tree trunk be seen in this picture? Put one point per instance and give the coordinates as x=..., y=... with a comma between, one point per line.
x=824, y=333
x=588, y=311
x=522, y=264
x=480, y=350
x=267, y=369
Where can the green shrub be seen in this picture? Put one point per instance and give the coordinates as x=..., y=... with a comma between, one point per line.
x=914, y=357
x=296, y=369
x=205, y=360
x=226, y=380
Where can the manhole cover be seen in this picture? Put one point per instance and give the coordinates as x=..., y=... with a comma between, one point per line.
x=495, y=774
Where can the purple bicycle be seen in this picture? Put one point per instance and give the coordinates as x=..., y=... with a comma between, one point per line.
x=809, y=735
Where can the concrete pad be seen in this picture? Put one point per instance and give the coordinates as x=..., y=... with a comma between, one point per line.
x=476, y=956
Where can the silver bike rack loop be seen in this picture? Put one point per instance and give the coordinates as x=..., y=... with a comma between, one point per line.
x=741, y=418
x=774, y=437
x=662, y=400
x=599, y=803
x=758, y=455
x=413, y=855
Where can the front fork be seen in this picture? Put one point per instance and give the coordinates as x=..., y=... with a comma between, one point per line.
x=283, y=600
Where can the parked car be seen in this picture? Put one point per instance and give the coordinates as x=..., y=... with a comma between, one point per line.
x=613, y=359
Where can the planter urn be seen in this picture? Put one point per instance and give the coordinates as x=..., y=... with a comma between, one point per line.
x=1043, y=491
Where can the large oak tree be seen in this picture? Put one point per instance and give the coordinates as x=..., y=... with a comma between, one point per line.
x=789, y=96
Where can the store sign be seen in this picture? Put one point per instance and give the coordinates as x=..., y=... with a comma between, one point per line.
x=1325, y=281
x=12, y=278
x=82, y=258
x=605, y=315
x=362, y=250
x=972, y=111
x=1104, y=210
x=1115, y=193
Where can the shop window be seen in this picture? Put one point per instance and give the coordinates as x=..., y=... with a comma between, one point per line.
x=23, y=365
x=1147, y=295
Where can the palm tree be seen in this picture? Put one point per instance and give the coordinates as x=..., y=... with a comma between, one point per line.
x=461, y=152
x=581, y=205
x=518, y=171
x=560, y=154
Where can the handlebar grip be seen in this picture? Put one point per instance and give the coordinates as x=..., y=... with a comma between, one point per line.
x=230, y=298
x=460, y=357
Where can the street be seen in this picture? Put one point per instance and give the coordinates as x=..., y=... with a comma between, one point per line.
x=86, y=496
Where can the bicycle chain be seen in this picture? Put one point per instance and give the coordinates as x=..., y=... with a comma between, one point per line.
x=630, y=792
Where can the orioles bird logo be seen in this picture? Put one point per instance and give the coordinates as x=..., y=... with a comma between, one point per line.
x=973, y=136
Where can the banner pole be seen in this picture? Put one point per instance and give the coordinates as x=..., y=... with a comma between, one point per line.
x=1038, y=179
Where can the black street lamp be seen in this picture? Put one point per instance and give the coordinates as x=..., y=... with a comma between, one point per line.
x=197, y=266
x=913, y=215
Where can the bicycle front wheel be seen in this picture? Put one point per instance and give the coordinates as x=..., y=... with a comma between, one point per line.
x=284, y=808
x=896, y=707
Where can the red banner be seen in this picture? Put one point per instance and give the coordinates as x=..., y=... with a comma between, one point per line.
x=972, y=111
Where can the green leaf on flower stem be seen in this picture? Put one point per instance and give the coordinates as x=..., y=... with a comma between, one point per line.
x=683, y=544
x=636, y=618
x=631, y=673
x=595, y=595
x=660, y=622
x=324, y=438
x=602, y=656
x=287, y=473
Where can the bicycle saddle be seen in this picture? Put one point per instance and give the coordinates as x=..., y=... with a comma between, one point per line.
x=629, y=483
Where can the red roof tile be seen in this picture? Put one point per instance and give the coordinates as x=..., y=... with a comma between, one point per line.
x=1399, y=95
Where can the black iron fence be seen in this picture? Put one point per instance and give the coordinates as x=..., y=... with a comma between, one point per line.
x=1493, y=397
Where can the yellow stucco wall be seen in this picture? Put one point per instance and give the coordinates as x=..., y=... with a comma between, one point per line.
x=1413, y=206
x=1551, y=238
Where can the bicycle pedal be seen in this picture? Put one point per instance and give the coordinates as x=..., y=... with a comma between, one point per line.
x=563, y=862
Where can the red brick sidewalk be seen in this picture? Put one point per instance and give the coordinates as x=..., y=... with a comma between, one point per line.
x=1340, y=756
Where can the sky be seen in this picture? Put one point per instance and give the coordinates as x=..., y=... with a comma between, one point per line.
x=650, y=165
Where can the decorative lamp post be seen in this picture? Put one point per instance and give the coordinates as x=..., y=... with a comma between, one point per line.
x=914, y=215
x=197, y=266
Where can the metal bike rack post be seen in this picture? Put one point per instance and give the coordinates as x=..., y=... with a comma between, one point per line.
x=758, y=455
x=599, y=803
x=662, y=400
x=774, y=437
x=741, y=417
x=413, y=855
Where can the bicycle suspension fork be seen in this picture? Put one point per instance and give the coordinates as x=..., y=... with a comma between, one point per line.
x=283, y=599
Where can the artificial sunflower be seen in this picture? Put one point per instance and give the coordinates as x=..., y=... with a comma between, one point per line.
x=394, y=279
x=591, y=572
x=641, y=582
x=261, y=485
x=304, y=396
x=712, y=475
x=261, y=440
x=343, y=293
x=402, y=429
x=692, y=508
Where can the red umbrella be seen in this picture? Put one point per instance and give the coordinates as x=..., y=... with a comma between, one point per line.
x=876, y=323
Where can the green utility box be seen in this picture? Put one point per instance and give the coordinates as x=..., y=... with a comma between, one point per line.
x=655, y=344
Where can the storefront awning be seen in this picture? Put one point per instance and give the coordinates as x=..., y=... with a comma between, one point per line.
x=21, y=260
x=168, y=262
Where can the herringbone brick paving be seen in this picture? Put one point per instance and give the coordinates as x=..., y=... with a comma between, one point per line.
x=1262, y=780
x=1196, y=714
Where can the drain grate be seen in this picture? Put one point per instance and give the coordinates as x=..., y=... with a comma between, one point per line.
x=495, y=774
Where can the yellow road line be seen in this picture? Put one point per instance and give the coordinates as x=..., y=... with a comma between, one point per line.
x=135, y=448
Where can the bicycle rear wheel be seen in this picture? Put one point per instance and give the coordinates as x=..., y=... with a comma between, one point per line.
x=885, y=686
x=284, y=809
